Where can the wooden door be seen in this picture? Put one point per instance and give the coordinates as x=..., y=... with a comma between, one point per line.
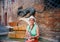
x=5, y=17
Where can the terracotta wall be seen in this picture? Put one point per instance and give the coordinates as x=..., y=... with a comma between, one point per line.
x=49, y=23
x=13, y=8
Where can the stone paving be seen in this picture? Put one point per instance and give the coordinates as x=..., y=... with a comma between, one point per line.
x=10, y=41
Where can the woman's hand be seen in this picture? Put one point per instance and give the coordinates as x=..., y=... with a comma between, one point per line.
x=31, y=39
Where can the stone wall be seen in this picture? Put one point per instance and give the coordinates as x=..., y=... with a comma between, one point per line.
x=49, y=23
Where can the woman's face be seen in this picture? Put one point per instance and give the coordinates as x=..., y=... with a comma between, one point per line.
x=31, y=21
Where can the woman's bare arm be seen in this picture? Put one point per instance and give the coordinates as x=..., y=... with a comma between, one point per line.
x=38, y=33
x=37, y=30
x=26, y=33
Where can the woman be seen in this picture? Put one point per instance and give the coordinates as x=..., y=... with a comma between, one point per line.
x=32, y=31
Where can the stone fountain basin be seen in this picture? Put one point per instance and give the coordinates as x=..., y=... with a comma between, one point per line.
x=3, y=32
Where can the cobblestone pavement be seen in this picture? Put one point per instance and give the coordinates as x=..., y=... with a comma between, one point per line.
x=10, y=41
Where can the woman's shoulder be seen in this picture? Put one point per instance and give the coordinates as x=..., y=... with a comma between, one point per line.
x=27, y=27
x=36, y=25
